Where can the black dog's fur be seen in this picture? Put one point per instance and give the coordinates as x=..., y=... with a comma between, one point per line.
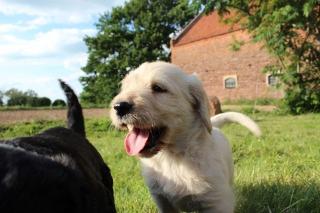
x=55, y=171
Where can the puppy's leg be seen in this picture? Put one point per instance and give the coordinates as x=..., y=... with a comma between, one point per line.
x=225, y=203
x=213, y=210
x=163, y=204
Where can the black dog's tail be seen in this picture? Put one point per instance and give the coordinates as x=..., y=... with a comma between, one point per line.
x=75, y=116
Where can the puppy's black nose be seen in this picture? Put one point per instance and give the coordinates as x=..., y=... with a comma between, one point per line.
x=123, y=108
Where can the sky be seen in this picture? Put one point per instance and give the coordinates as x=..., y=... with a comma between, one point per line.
x=42, y=41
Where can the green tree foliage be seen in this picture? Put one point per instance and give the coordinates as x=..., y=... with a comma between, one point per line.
x=132, y=34
x=27, y=98
x=290, y=30
x=16, y=97
x=43, y=101
x=1, y=98
x=58, y=103
x=38, y=101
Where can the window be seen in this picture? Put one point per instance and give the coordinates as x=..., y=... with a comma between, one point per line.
x=230, y=82
x=272, y=80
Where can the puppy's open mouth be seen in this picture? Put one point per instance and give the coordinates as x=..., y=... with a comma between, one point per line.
x=144, y=141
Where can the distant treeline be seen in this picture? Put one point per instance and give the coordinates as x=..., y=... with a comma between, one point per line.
x=30, y=98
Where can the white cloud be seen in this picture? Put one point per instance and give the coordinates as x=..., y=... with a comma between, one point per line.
x=73, y=11
x=38, y=46
x=75, y=61
x=8, y=27
x=36, y=22
x=43, y=85
x=54, y=42
x=37, y=63
x=23, y=26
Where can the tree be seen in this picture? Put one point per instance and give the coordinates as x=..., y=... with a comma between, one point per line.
x=1, y=98
x=38, y=101
x=15, y=97
x=128, y=36
x=43, y=101
x=32, y=98
x=59, y=102
x=290, y=30
x=32, y=101
x=20, y=98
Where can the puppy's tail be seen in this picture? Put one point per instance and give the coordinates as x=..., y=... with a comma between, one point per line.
x=228, y=117
x=75, y=117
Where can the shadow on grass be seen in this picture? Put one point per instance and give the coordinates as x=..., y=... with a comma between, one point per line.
x=278, y=198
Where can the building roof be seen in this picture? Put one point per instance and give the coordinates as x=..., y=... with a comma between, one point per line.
x=203, y=27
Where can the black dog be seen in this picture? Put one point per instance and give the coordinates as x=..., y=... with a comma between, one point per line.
x=55, y=171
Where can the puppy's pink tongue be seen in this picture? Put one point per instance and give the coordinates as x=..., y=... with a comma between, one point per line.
x=135, y=141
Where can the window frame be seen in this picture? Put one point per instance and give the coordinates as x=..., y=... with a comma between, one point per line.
x=234, y=77
x=276, y=80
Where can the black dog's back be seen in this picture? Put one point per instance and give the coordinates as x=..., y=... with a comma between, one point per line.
x=34, y=184
x=55, y=171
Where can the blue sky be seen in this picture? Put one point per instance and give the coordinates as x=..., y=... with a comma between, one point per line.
x=42, y=40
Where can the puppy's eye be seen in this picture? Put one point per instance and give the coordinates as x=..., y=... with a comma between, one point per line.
x=158, y=89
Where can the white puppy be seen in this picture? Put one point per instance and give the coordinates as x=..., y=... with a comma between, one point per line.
x=187, y=163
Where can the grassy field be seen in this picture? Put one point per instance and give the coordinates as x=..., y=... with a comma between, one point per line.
x=279, y=172
x=27, y=114
x=13, y=115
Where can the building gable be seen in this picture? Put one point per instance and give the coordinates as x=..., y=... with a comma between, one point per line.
x=203, y=27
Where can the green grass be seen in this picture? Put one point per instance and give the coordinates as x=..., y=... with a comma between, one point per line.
x=279, y=172
x=258, y=101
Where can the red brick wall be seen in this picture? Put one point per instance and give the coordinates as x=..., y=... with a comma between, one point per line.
x=203, y=27
x=212, y=59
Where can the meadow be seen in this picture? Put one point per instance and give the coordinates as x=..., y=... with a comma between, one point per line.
x=278, y=172
x=14, y=115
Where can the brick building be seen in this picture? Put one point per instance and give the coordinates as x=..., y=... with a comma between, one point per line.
x=205, y=47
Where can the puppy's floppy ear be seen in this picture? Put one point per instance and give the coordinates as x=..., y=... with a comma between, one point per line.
x=199, y=101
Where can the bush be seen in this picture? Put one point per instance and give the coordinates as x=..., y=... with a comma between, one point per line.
x=29, y=101
x=44, y=101
x=301, y=95
x=38, y=102
x=59, y=103
x=301, y=100
x=32, y=101
x=17, y=101
x=258, y=101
